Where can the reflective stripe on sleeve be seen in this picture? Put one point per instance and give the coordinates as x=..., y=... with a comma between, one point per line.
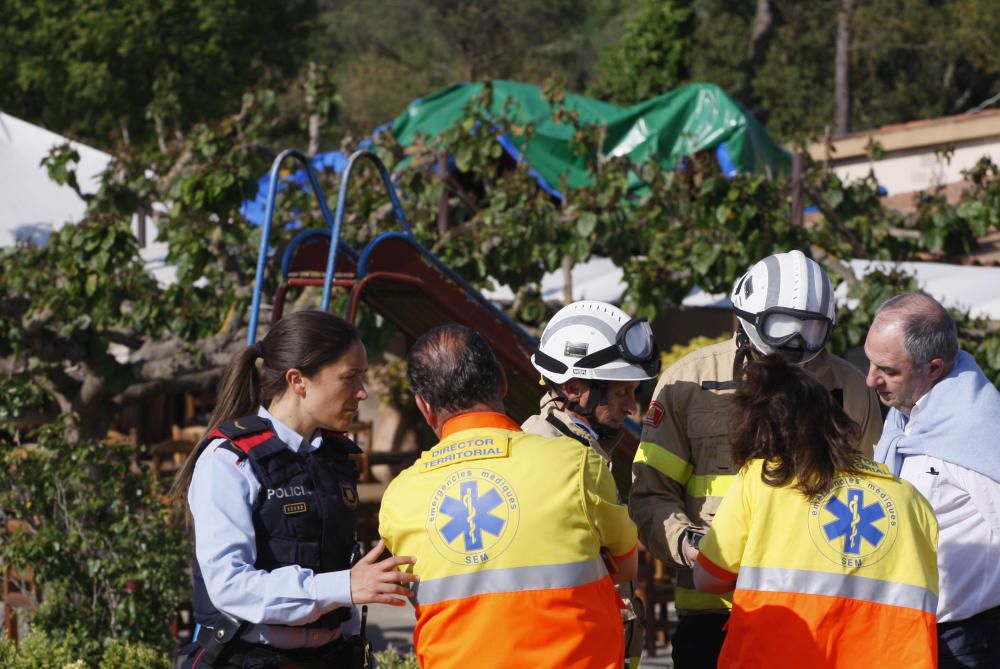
x=513, y=579
x=709, y=485
x=664, y=461
x=862, y=588
x=687, y=599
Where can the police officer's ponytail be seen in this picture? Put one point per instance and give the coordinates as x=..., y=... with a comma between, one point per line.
x=304, y=340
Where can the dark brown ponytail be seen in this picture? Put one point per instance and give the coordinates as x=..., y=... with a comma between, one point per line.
x=304, y=340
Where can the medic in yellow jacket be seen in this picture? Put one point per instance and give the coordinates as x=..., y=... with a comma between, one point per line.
x=846, y=579
x=507, y=529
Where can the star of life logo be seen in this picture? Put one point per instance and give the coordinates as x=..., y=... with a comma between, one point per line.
x=855, y=524
x=473, y=516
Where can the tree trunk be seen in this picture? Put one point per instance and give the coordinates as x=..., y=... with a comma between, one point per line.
x=760, y=33
x=567, y=271
x=315, y=121
x=842, y=65
x=443, y=217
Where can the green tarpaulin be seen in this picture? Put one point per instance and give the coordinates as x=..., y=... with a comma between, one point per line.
x=689, y=120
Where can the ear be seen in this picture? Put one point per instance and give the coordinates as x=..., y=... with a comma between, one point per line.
x=574, y=389
x=428, y=412
x=503, y=381
x=296, y=382
x=936, y=369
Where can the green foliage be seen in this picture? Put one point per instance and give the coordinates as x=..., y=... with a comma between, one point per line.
x=864, y=298
x=107, y=69
x=678, y=351
x=39, y=651
x=96, y=532
x=910, y=59
x=389, y=52
x=652, y=59
x=393, y=659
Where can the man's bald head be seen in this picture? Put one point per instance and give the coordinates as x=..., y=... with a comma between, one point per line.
x=911, y=345
x=928, y=329
x=453, y=369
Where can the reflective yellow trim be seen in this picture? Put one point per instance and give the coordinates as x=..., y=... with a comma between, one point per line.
x=709, y=485
x=692, y=600
x=664, y=461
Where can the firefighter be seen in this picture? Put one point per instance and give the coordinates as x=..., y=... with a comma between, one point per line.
x=785, y=306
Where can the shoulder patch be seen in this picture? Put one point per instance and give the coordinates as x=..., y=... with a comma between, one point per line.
x=242, y=427
x=654, y=414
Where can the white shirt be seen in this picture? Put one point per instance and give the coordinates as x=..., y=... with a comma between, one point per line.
x=280, y=603
x=967, y=505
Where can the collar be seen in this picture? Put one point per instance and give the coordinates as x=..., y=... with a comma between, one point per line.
x=477, y=419
x=916, y=408
x=286, y=434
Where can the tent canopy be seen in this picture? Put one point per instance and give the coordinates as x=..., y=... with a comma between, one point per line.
x=666, y=129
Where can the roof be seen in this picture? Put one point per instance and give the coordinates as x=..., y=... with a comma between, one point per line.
x=923, y=134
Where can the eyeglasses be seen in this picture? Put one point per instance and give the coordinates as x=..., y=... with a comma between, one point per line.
x=633, y=343
x=780, y=327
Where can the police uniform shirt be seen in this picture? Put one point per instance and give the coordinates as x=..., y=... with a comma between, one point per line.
x=280, y=604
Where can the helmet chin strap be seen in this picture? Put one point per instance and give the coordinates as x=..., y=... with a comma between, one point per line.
x=598, y=396
x=746, y=351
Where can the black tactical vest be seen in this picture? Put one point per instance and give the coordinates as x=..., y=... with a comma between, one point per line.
x=305, y=513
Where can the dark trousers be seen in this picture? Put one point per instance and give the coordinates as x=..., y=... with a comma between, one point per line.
x=697, y=641
x=973, y=643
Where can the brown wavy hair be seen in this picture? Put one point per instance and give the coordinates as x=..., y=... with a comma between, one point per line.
x=787, y=418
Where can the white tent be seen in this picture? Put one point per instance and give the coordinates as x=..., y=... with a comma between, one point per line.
x=976, y=289
x=32, y=206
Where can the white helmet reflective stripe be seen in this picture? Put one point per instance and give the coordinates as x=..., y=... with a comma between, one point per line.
x=596, y=341
x=785, y=303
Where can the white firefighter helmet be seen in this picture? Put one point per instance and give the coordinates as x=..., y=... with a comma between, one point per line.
x=596, y=341
x=785, y=304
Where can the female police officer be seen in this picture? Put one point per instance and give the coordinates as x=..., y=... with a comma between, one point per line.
x=273, y=495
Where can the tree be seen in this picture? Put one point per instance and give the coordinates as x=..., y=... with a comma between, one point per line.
x=653, y=58
x=101, y=70
x=389, y=52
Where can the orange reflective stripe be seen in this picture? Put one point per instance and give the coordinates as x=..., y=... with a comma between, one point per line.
x=619, y=558
x=477, y=419
x=569, y=628
x=714, y=569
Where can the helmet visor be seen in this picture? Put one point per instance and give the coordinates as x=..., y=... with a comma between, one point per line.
x=633, y=344
x=635, y=341
x=790, y=328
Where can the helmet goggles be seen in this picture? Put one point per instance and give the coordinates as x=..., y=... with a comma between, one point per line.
x=634, y=343
x=782, y=327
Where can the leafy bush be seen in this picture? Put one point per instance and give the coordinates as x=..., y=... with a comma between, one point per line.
x=39, y=651
x=678, y=351
x=95, y=530
x=393, y=659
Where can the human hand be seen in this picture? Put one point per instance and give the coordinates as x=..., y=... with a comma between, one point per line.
x=690, y=552
x=689, y=544
x=375, y=582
